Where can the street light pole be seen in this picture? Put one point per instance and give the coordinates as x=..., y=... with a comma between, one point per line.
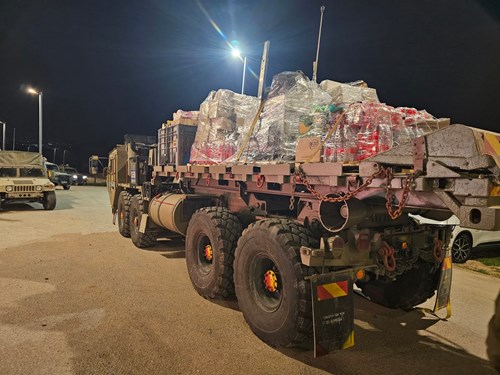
x=3, y=136
x=237, y=53
x=40, y=123
x=32, y=91
x=244, y=71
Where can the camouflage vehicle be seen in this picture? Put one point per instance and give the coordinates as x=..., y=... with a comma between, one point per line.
x=57, y=176
x=77, y=178
x=23, y=177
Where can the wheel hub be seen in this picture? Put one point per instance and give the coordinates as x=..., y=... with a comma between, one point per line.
x=271, y=281
x=208, y=252
x=461, y=249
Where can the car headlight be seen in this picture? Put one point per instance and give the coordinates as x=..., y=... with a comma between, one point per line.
x=75, y=177
x=9, y=188
x=38, y=188
x=84, y=177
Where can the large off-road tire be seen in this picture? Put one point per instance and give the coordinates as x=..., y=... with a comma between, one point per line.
x=408, y=290
x=141, y=240
x=269, y=281
x=66, y=187
x=49, y=200
x=461, y=249
x=123, y=213
x=211, y=239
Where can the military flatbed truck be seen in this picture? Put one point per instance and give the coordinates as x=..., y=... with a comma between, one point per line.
x=23, y=178
x=290, y=240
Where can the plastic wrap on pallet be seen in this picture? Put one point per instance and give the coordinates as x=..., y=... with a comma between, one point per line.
x=367, y=129
x=223, y=117
x=347, y=93
x=185, y=117
x=293, y=109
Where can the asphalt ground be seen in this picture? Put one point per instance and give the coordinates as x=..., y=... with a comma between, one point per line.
x=77, y=298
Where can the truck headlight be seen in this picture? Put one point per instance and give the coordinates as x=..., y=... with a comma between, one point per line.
x=75, y=177
x=84, y=177
x=38, y=188
x=9, y=188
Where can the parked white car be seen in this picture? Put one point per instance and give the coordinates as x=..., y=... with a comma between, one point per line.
x=464, y=240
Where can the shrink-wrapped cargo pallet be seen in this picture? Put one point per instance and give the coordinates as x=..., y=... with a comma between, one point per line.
x=344, y=122
x=294, y=107
x=366, y=129
x=223, y=117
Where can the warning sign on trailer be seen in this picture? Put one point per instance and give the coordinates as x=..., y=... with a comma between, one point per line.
x=333, y=312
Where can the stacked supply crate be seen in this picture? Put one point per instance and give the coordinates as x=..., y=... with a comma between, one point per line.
x=174, y=143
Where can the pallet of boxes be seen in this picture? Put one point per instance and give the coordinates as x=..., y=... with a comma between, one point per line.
x=302, y=121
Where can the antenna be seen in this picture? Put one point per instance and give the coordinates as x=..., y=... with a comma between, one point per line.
x=315, y=63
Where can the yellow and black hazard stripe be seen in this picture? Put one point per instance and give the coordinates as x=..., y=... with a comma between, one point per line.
x=491, y=143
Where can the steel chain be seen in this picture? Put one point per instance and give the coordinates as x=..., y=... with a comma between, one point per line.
x=292, y=196
x=406, y=192
x=382, y=172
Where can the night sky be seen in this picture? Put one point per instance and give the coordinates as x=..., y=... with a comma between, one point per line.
x=107, y=68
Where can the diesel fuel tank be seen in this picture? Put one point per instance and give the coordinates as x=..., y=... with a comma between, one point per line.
x=173, y=211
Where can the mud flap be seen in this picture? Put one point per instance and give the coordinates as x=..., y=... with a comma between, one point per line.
x=333, y=312
x=444, y=287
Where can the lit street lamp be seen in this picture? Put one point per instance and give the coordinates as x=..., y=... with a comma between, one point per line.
x=237, y=53
x=32, y=91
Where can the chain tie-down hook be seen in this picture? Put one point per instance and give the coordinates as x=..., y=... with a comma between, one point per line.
x=438, y=250
x=387, y=253
x=260, y=181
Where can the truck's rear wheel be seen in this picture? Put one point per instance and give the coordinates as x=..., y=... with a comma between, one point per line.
x=141, y=240
x=211, y=238
x=66, y=187
x=407, y=290
x=123, y=213
x=269, y=280
x=49, y=200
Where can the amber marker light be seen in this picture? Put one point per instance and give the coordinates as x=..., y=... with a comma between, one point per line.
x=360, y=274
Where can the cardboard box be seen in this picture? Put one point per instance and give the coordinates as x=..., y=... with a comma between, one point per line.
x=433, y=125
x=222, y=123
x=346, y=94
x=308, y=150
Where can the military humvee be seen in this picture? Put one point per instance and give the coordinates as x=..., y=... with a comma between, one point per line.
x=23, y=177
x=57, y=176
